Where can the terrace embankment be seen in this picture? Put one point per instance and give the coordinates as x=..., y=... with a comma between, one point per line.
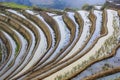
x=106, y=72
x=41, y=26
x=6, y=28
x=73, y=33
x=17, y=26
x=52, y=23
x=25, y=32
x=24, y=22
x=106, y=34
x=94, y=61
x=28, y=24
x=55, y=27
x=8, y=46
x=71, y=26
x=80, y=22
x=105, y=19
x=88, y=37
x=49, y=46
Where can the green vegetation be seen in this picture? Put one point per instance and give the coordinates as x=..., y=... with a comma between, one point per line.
x=14, y=5
x=87, y=7
x=105, y=67
x=55, y=11
x=71, y=9
x=16, y=50
x=105, y=6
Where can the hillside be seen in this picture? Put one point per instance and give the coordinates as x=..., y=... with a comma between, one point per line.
x=14, y=5
x=42, y=45
x=56, y=4
x=23, y=2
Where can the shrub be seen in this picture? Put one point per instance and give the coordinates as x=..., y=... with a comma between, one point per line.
x=87, y=7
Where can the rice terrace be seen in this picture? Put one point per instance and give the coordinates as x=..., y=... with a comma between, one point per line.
x=51, y=44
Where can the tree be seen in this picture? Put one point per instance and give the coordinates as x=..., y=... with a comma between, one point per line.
x=87, y=7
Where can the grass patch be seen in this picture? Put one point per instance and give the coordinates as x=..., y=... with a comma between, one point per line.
x=17, y=50
x=14, y=5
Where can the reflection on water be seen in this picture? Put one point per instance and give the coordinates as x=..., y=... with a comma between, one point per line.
x=111, y=77
x=3, y=52
x=97, y=67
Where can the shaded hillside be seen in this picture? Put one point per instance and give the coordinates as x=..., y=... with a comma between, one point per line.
x=57, y=4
